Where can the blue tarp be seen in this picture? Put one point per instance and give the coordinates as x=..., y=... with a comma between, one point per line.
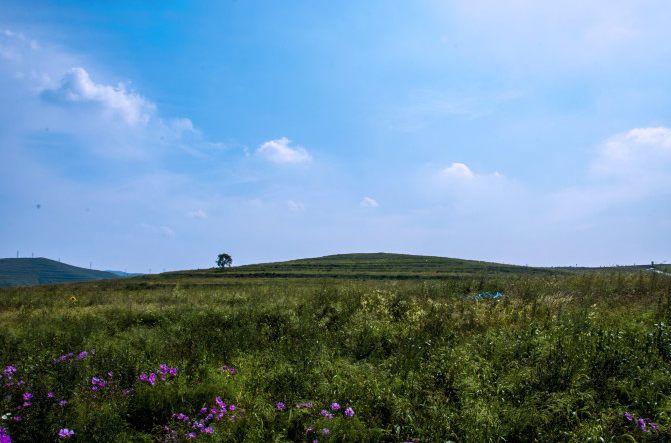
x=487, y=296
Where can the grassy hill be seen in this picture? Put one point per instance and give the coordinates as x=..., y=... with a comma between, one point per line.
x=38, y=271
x=364, y=266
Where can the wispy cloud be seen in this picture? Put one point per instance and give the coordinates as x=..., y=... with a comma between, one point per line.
x=77, y=88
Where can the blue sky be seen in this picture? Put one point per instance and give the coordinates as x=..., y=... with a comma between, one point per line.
x=154, y=135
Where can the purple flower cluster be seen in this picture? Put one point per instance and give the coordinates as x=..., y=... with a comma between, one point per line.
x=27, y=398
x=644, y=424
x=71, y=356
x=281, y=406
x=165, y=372
x=4, y=436
x=66, y=433
x=8, y=375
x=208, y=414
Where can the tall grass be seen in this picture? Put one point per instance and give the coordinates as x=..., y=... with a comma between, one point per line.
x=559, y=358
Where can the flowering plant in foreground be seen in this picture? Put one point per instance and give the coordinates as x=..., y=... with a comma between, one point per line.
x=320, y=422
x=4, y=436
x=165, y=373
x=643, y=424
x=69, y=356
x=229, y=369
x=66, y=433
x=205, y=422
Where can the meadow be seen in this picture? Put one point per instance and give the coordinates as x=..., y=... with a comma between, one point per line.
x=563, y=356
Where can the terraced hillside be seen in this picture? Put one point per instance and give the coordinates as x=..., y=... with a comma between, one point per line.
x=38, y=271
x=364, y=266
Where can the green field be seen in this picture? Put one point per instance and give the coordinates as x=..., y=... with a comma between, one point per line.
x=398, y=339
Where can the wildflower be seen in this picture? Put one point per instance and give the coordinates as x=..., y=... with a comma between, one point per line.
x=335, y=406
x=207, y=430
x=642, y=425
x=305, y=405
x=4, y=436
x=62, y=403
x=82, y=355
x=349, y=412
x=326, y=431
x=9, y=371
x=232, y=408
x=653, y=426
x=27, y=396
x=17, y=418
x=231, y=370
x=66, y=433
x=152, y=379
x=110, y=374
x=309, y=430
x=181, y=417
x=281, y=406
x=191, y=436
x=51, y=394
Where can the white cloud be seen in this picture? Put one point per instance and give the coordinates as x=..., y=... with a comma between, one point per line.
x=635, y=155
x=628, y=168
x=199, y=214
x=76, y=86
x=368, y=202
x=279, y=151
x=457, y=171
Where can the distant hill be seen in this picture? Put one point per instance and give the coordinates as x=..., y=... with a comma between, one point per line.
x=124, y=274
x=39, y=271
x=363, y=266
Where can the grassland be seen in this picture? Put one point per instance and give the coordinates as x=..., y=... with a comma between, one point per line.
x=562, y=357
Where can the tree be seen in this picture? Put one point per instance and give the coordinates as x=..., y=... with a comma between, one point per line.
x=224, y=260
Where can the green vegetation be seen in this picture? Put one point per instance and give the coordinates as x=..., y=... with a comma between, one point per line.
x=561, y=357
x=37, y=271
x=363, y=266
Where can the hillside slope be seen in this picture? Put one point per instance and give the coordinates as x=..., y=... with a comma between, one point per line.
x=362, y=266
x=38, y=271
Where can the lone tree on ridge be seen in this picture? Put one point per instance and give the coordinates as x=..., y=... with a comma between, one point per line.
x=224, y=260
